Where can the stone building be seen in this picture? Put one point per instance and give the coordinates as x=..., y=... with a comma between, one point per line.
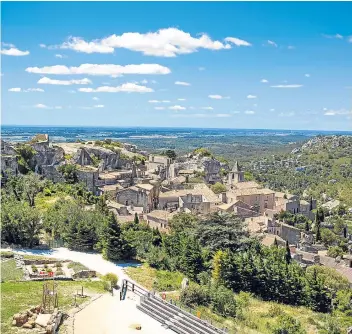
x=159, y=219
x=161, y=166
x=235, y=175
x=211, y=168
x=141, y=195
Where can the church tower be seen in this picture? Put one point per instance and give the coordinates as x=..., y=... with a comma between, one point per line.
x=235, y=175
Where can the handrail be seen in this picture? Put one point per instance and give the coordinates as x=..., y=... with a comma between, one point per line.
x=145, y=293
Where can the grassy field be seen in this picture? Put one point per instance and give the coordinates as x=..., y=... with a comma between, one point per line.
x=19, y=296
x=255, y=316
x=76, y=266
x=9, y=272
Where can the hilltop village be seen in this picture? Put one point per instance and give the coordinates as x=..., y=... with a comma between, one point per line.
x=156, y=187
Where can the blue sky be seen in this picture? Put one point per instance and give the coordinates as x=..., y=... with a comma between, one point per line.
x=233, y=65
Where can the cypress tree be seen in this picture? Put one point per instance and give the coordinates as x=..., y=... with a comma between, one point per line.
x=307, y=226
x=288, y=253
x=136, y=219
x=276, y=243
x=318, y=234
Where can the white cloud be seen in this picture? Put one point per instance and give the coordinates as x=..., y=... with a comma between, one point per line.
x=99, y=106
x=207, y=108
x=338, y=112
x=287, y=114
x=237, y=41
x=34, y=90
x=286, y=86
x=159, y=101
x=101, y=69
x=264, y=81
x=159, y=108
x=218, y=97
x=182, y=83
x=13, y=51
x=48, y=81
x=127, y=88
x=181, y=99
x=291, y=47
x=201, y=68
x=41, y=106
x=272, y=109
x=17, y=90
x=337, y=36
x=176, y=107
x=42, y=46
x=272, y=43
x=251, y=97
x=307, y=75
x=95, y=98
x=60, y=56
x=168, y=42
x=199, y=115
x=249, y=112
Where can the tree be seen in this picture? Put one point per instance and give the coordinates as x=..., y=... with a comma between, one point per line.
x=288, y=253
x=306, y=226
x=136, y=219
x=20, y=223
x=25, y=155
x=191, y=260
x=221, y=231
x=217, y=259
x=218, y=188
x=69, y=173
x=328, y=237
x=275, y=244
x=171, y=154
x=318, y=234
x=112, y=243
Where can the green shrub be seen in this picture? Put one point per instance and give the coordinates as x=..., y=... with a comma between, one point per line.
x=195, y=295
x=59, y=273
x=6, y=255
x=112, y=278
x=287, y=325
x=58, y=265
x=34, y=268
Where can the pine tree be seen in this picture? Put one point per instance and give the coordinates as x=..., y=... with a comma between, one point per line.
x=191, y=260
x=288, y=253
x=114, y=247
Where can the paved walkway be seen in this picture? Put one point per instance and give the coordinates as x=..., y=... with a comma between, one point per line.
x=109, y=315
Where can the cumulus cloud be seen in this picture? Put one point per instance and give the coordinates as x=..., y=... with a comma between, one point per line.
x=169, y=42
x=182, y=83
x=207, y=108
x=286, y=86
x=95, y=98
x=48, y=81
x=337, y=112
x=218, y=97
x=18, y=90
x=12, y=51
x=127, y=88
x=249, y=112
x=251, y=96
x=264, y=81
x=43, y=46
x=100, y=69
x=272, y=43
x=176, y=107
x=181, y=99
x=237, y=41
x=60, y=56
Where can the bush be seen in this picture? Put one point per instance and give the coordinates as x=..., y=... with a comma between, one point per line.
x=195, y=295
x=112, y=278
x=218, y=188
x=59, y=273
x=6, y=255
x=58, y=265
x=34, y=268
x=335, y=251
x=223, y=301
x=288, y=325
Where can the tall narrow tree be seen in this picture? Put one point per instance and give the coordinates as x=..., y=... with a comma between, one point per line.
x=288, y=253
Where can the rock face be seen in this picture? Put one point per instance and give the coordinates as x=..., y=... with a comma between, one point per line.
x=212, y=170
x=109, y=159
x=46, y=156
x=82, y=157
x=8, y=159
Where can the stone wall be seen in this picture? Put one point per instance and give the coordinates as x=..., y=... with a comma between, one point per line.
x=290, y=233
x=89, y=178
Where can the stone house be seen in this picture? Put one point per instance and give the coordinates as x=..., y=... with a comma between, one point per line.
x=159, y=219
x=141, y=195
